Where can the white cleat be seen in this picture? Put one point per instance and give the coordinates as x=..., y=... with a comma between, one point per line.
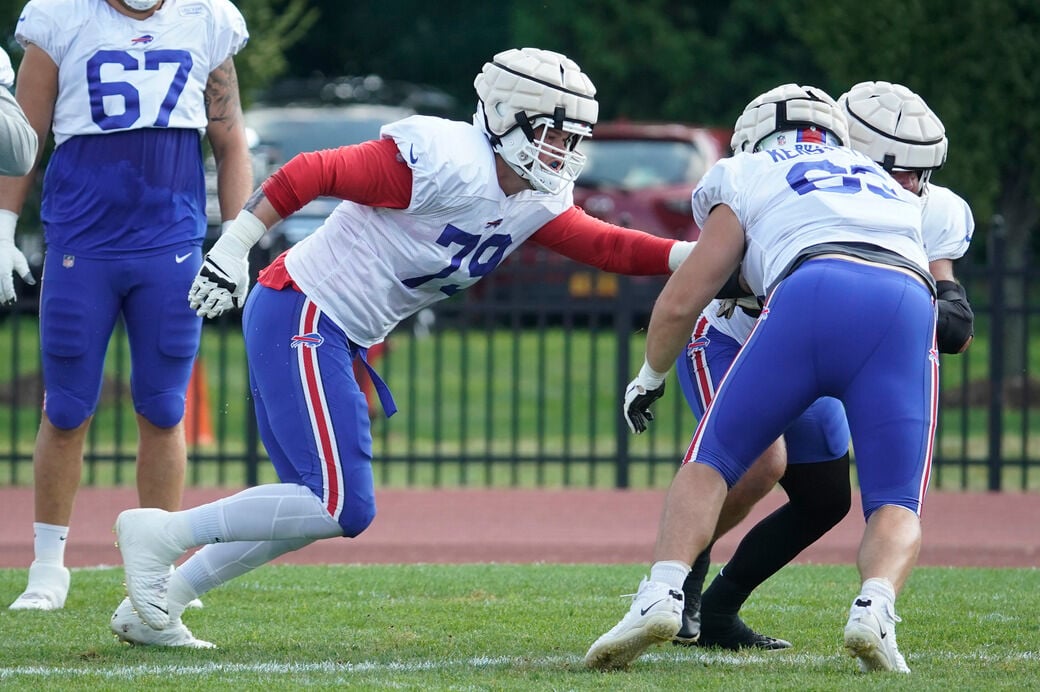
x=870, y=636
x=148, y=553
x=47, y=589
x=129, y=628
x=654, y=617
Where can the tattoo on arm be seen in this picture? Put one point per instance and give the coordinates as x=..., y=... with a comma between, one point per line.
x=254, y=200
x=222, y=99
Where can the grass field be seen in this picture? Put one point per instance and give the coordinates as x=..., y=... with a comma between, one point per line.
x=516, y=627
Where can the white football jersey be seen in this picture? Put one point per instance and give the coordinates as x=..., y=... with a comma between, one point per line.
x=369, y=268
x=119, y=73
x=6, y=71
x=946, y=227
x=946, y=223
x=826, y=194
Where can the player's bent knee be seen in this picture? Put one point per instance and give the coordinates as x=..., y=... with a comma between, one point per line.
x=831, y=508
x=356, y=520
x=164, y=411
x=822, y=491
x=66, y=413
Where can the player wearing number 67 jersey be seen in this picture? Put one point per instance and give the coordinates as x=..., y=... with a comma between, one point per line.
x=429, y=209
x=128, y=88
x=834, y=246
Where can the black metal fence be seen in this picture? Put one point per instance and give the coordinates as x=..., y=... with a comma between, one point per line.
x=518, y=382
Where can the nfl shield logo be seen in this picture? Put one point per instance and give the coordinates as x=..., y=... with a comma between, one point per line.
x=68, y=260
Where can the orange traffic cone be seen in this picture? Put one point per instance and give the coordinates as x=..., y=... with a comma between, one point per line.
x=197, y=427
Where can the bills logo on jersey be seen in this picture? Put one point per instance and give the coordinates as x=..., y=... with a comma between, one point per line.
x=142, y=40
x=493, y=224
x=698, y=344
x=311, y=340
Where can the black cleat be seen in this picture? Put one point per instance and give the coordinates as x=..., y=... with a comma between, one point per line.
x=736, y=635
x=690, y=631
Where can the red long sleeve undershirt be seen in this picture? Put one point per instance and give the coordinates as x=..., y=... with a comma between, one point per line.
x=373, y=174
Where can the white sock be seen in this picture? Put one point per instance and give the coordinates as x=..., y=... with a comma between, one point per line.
x=879, y=589
x=274, y=512
x=219, y=563
x=670, y=572
x=49, y=543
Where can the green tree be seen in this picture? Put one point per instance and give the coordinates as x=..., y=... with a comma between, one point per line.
x=669, y=59
x=443, y=44
x=974, y=63
x=274, y=27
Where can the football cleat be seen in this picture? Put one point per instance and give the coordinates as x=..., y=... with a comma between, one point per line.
x=148, y=552
x=129, y=628
x=870, y=636
x=47, y=589
x=734, y=634
x=690, y=632
x=654, y=617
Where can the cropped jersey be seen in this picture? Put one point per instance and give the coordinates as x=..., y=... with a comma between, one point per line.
x=370, y=267
x=823, y=172
x=126, y=174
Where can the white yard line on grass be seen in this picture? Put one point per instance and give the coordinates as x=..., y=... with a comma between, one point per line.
x=217, y=668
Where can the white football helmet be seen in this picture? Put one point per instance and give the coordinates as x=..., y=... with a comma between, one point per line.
x=894, y=127
x=790, y=108
x=521, y=94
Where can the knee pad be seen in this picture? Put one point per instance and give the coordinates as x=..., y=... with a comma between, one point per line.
x=162, y=410
x=65, y=412
x=354, y=519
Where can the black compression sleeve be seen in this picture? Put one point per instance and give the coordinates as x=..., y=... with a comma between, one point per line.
x=956, y=323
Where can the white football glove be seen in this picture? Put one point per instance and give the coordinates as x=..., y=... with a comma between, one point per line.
x=11, y=259
x=645, y=389
x=223, y=279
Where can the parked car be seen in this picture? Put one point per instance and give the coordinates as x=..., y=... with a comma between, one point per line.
x=278, y=133
x=640, y=175
x=282, y=132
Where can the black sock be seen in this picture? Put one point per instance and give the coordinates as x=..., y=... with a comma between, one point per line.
x=723, y=599
x=694, y=583
x=818, y=497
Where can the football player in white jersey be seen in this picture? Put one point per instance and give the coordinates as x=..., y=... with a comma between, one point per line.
x=429, y=208
x=18, y=145
x=128, y=88
x=833, y=246
x=895, y=127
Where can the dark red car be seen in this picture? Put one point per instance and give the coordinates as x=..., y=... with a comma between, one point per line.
x=639, y=175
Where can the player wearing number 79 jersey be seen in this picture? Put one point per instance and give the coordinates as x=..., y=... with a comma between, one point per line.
x=128, y=88
x=429, y=208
